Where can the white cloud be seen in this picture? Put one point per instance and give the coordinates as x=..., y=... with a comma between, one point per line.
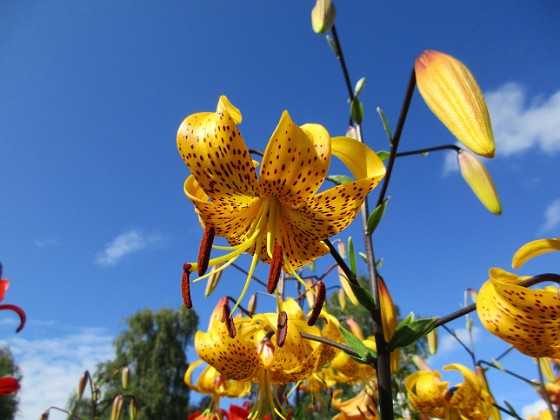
x=448, y=343
x=533, y=409
x=125, y=244
x=520, y=124
x=552, y=217
x=52, y=368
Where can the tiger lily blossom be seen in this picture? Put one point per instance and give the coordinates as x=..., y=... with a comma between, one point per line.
x=279, y=217
x=253, y=356
x=432, y=396
x=526, y=318
x=4, y=284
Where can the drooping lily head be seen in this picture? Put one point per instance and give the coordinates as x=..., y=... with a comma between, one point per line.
x=529, y=319
x=280, y=208
x=432, y=396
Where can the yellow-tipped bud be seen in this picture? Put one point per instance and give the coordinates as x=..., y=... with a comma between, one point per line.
x=213, y=280
x=125, y=377
x=355, y=328
x=82, y=384
x=341, y=246
x=433, y=341
x=252, y=305
x=478, y=178
x=451, y=92
x=346, y=287
x=117, y=407
x=342, y=300
x=322, y=16
x=388, y=310
x=310, y=293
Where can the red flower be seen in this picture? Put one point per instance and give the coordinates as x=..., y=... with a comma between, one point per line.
x=8, y=385
x=4, y=284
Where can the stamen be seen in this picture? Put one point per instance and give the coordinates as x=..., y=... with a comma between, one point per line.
x=186, y=287
x=282, y=330
x=275, y=267
x=289, y=415
x=321, y=294
x=230, y=325
x=205, y=248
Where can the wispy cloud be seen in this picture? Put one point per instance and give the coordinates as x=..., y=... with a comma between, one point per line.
x=522, y=123
x=45, y=242
x=52, y=367
x=449, y=343
x=125, y=244
x=552, y=217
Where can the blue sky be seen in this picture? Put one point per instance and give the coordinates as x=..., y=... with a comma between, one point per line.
x=94, y=225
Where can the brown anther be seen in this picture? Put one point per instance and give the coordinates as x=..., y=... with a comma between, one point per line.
x=275, y=267
x=230, y=325
x=282, y=330
x=205, y=248
x=289, y=415
x=321, y=294
x=186, y=287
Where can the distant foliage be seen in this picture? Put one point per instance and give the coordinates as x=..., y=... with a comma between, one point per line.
x=8, y=403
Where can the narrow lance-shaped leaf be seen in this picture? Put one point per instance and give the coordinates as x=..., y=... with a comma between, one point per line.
x=366, y=355
x=386, y=126
x=359, y=86
x=376, y=216
x=356, y=110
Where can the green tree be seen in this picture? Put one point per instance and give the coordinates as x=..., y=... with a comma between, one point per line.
x=154, y=349
x=8, y=403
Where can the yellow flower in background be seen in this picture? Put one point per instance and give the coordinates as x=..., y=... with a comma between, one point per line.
x=451, y=92
x=281, y=207
x=468, y=400
x=362, y=406
x=212, y=383
x=478, y=178
x=529, y=319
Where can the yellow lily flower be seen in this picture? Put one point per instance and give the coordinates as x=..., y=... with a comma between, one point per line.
x=252, y=356
x=451, y=92
x=279, y=209
x=534, y=248
x=528, y=319
x=468, y=400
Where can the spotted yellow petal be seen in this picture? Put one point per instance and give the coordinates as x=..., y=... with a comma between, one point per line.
x=295, y=162
x=426, y=391
x=534, y=248
x=213, y=149
x=528, y=319
x=235, y=358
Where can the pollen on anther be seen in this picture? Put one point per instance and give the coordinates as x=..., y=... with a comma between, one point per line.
x=185, y=286
x=321, y=294
x=205, y=248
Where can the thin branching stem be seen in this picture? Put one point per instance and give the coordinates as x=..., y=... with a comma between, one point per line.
x=428, y=150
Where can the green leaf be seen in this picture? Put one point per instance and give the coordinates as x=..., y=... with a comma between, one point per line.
x=351, y=256
x=385, y=125
x=383, y=155
x=497, y=364
x=409, y=330
x=376, y=216
x=364, y=296
x=379, y=263
x=510, y=408
x=339, y=179
x=359, y=86
x=366, y=355
x=356, y=110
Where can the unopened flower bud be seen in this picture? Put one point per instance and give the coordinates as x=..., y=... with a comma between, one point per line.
x=322, y=16
x=451, y=92
x=213, y=280
x=346, y=287
x=117, y=407
x=45, y=415
x=82, y=384
x=433, y=341
x=355, y=328
x=132, y=409
x=388, y=310
x=125, y=376
x=478, y=178
x=342, y=300
x=252, y=305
